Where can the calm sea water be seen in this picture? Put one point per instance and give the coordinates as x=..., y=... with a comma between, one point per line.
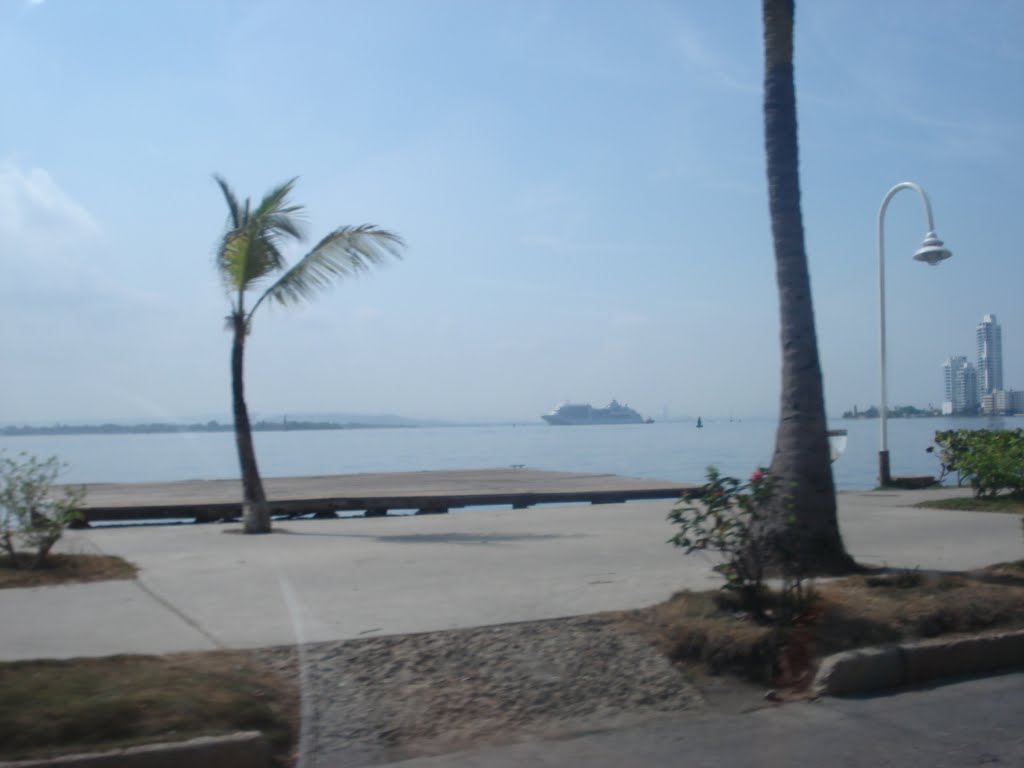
x=666, y=451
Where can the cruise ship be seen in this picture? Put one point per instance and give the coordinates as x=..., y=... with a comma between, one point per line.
x=572, y=414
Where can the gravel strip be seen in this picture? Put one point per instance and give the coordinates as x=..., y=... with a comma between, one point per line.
x=389, y=698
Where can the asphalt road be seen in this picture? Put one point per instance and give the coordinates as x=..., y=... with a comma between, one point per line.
x=969, y=723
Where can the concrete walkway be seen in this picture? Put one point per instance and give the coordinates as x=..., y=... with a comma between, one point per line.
x=206, y=587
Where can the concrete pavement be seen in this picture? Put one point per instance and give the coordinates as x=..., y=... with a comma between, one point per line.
x=204, y=587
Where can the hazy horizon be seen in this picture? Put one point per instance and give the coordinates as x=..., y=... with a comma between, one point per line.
x=581, y=186
x=412, y=420
x=325, y=417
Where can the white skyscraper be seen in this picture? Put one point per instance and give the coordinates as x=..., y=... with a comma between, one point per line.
x=990, y=356
x=961, y=386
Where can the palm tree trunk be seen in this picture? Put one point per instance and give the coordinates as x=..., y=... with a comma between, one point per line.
x=255, y=510
x=801, y=461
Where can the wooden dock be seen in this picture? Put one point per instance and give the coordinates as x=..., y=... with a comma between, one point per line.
x=375, y=494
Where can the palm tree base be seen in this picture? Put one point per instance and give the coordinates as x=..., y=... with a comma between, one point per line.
x=837, y=564
x=255, y=517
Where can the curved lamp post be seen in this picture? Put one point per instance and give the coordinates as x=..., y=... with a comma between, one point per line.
x=932, y=251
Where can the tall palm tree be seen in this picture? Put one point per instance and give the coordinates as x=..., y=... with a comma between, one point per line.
x=249, y=257
x=801, y=461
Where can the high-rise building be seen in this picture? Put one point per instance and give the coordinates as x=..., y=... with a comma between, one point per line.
x=990, y=356
x=961, y=386
x=948, y=367
x=1003, y=402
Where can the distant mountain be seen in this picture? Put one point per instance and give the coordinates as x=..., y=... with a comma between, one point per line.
x=363, y=419
x=261, y=423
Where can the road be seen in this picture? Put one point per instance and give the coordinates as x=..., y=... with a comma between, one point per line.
x=969, y=723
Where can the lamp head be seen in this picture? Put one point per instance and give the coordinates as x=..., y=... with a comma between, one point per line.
x=932, y=251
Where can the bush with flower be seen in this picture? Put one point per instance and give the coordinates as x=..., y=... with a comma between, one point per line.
x=746, y=525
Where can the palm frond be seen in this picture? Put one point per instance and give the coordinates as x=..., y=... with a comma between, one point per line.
x=277, y=214
x=249, y=251
x=263, y=259
x=284, y=223
x=343, y=253
x=230, y=199
x=232, y=258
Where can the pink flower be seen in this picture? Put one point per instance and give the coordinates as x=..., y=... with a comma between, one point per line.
x=759, y=475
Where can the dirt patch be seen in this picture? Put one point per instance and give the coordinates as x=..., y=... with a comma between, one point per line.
x=63, y=569
x=386, y=699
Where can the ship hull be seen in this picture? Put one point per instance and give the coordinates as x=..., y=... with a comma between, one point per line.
x=585, y=415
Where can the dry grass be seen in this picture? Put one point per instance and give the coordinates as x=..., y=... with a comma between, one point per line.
x=1012, y=504
x=64, y=569
x=706, y=628
x=51, y=708
x=866, y=610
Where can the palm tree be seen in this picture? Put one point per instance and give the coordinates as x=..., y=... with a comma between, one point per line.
x=248, y=257
x=801, y=461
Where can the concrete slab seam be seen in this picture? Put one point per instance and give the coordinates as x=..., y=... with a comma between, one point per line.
x=161, y=600
x=180, y=614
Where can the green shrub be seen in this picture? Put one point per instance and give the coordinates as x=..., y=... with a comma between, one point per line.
x=991, y=460
x=33, y=514
x=746, y=526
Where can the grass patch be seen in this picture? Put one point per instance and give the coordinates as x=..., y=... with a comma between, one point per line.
x=707, y=630
x=50, y=708
x=1011, y=503
x=64, y=569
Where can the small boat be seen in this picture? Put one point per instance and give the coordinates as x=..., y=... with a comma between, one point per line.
x=700, y=424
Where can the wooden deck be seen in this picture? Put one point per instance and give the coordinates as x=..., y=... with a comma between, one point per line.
x=424, y=492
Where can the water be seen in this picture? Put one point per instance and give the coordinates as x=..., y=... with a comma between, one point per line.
x=664, y=451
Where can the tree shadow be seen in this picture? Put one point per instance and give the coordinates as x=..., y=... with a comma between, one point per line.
x=443, y=538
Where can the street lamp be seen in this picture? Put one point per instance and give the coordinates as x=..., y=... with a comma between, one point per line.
x=932, y=251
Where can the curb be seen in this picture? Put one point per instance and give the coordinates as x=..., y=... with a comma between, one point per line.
x=892, y=666
x=245, y=749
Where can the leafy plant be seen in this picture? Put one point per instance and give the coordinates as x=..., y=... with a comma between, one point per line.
x=746, y=526
x=33, y=514
x=991, y=460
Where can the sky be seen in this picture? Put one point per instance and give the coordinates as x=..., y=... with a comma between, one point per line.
x=581, y=185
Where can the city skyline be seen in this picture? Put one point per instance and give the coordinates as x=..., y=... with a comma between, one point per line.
x=581, y=187
x=971, y=389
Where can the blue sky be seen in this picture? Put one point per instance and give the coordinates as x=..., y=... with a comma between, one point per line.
x=581, y=185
